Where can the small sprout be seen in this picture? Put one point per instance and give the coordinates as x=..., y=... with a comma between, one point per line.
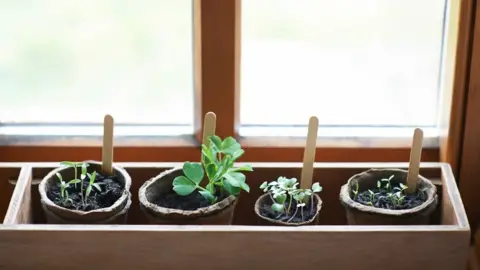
x=284, y=192
x=76, y=180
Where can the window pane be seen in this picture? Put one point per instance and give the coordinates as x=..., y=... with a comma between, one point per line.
x=74, y=61
x=349, y=62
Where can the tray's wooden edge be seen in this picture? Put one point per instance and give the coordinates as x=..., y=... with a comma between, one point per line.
x=19, y=207
x=450, y=189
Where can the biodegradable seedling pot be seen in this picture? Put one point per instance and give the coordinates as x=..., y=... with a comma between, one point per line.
x=265, y=201
x=220, y=213
x=360, y=214
x=279, y=206
x=116, y=213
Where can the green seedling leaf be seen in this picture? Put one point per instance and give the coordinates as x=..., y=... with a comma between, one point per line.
x=371, y=192
x=231, y=189
x=211, y=170
x=245, y=187
x=183, y=186
x=316, y=187
x=67, y=163
x=235, y=178
x=207, y=195
x=229, y=146
x=89, y=189
x=74, y=181
x=264, y=185
x=238, y=154
x=216, y=141
x=281, y=198
x=277, y=207
x=193, y=171
x=379, y=184
x=246, y=168
x=97, y=186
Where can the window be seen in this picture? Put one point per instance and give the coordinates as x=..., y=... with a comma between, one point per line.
x=367, y=63
x=74, y=61
x=367, y=69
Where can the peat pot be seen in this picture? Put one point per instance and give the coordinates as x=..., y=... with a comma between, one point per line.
x=360, y=214
x=115, y=214
x=220, y=213
x=266, y=200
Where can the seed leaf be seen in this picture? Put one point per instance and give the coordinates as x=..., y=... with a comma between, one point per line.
x=183, y=186
x=277, y=207
x=193, y=171
x=316, y=187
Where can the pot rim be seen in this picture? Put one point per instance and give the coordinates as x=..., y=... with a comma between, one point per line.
x=347, y=201
x=50, y=204
x=317, y=212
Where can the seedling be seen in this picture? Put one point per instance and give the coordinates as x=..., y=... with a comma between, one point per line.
x=284, y=193
x=387, y=195
x=65, y=185
x=217, y=162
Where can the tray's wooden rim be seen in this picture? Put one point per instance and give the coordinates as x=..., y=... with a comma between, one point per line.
x=448, y=181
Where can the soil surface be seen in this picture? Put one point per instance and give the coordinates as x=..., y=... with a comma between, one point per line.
x=382, y=199
x=301, y=216
x=111, y=191
x=193, y=201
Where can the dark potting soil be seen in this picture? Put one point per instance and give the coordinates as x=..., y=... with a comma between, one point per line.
x=301, y=216
x=193, y=201
x=111, y=191
x=383, y=198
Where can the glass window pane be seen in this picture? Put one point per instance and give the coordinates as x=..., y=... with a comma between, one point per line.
x=349, y=62
x=74, y=61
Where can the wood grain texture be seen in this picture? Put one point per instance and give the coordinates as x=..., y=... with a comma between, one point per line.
x=442, y=245
x=455, y=76
x=470, y=158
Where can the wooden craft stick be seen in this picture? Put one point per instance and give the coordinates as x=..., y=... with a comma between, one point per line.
x=309, y=154
x=414, y=164
x=209, y=124
x=107, y=147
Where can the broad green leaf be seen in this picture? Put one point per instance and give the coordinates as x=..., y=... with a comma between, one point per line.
x=245, y=187
x=194, y=171
x=273, y=183
x=316, y=187
x=237, y=154
x=230, y=146
x=241, y=168
x=281, y=198
x=290, y=182
x=263, y=185
x=216, y=141
x=211, y=171
x=308, y=192
x=183, y=186
x=277, y=207
x=207, y=195
x=235, y=178
x=207, y=156
x=231, y=189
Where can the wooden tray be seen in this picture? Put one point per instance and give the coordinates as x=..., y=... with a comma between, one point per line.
x=27, y=243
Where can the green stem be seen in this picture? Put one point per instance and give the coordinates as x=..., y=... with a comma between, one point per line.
x=289, y=204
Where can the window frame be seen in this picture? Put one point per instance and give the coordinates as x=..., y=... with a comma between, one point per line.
x=217, y=51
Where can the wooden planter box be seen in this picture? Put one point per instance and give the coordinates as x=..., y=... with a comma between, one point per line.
x=27, y=243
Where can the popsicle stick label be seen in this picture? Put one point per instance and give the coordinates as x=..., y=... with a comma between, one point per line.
x=107, y=147
x=309, y=154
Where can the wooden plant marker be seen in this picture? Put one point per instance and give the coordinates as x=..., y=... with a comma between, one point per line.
x=414, y=164
x=209, y=124
x=309, y=154
x=107, y=147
